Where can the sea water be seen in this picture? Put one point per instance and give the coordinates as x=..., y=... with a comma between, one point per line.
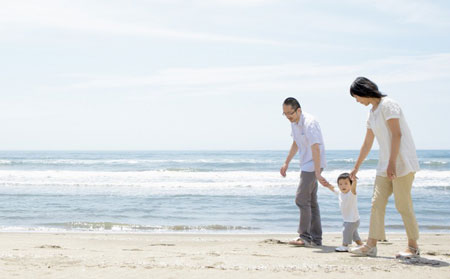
x=195, y=191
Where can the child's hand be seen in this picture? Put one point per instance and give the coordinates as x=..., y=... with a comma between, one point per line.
x=331, y=187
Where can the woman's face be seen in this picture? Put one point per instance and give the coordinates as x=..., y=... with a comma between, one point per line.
x=362, y=100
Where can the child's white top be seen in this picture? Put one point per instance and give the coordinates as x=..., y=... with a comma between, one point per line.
x=348, y=202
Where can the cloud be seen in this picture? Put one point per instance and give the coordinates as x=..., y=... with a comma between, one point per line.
x=413, y=11
x=273, y=78
x=26, y=16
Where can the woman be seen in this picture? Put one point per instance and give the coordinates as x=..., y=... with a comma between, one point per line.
x=396, y=166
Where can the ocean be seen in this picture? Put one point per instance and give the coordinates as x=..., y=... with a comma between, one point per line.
x=194, y=192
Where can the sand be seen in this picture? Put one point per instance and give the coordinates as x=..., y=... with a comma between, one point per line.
x=97, y=255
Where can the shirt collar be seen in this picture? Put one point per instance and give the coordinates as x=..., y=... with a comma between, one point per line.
x=301, y=120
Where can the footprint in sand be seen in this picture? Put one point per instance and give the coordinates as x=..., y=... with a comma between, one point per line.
x=273, y=241
x=214, y=254
x=214, y=265
x=49, y=246
x=132, y=250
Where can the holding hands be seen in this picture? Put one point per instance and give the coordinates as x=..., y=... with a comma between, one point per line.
x=319, y=177
x=353, y=174
x=322, y=180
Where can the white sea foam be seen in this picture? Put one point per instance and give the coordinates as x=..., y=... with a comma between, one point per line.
x=133, y=161
x=180, y=179
x=435, y=163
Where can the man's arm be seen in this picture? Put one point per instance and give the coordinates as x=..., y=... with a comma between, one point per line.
x=316, y=158
x=292, y=152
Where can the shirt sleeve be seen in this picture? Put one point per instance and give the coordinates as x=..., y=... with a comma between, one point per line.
x=368, y=121
x=313, y=133
x=391, y=110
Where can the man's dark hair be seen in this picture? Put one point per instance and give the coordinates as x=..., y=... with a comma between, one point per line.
x=292, y=102
x=363, y=87
x=344, y=175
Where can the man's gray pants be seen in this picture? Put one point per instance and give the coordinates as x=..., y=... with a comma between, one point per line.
x=310, y=227
x=350, y=233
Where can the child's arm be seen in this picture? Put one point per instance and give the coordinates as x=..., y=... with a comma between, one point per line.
x=331, y=187
x=354, y=186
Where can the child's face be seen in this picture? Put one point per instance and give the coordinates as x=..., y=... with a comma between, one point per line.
x=344, y=185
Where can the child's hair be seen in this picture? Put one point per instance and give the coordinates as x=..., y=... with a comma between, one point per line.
x=344, y=175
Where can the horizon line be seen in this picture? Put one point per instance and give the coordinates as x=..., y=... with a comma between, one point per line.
x=182, y=150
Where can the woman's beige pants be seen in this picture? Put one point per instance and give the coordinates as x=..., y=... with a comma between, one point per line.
x=401, y=187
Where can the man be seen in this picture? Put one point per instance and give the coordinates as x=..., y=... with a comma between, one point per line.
x=308, y=142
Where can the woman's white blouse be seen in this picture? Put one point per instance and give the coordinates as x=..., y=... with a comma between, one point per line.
x=407, y=158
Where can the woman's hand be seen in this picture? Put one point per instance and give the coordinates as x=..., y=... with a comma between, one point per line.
x=391, y=171
x=353, y=174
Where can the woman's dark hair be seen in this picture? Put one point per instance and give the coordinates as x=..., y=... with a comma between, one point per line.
x=363, y=87
x=344, y=175
x=292, y=102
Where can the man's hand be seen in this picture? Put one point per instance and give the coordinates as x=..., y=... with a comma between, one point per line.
x=284, y=169
x=322, y=180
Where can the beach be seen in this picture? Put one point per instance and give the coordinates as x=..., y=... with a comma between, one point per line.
x=198, y=214
x=111, y=255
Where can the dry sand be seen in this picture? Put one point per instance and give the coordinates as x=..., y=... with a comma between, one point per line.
x=88, y=255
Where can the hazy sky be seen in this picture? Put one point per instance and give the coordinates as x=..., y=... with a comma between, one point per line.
x=212, y=74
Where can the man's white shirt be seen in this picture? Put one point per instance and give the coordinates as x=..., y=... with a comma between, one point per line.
x=305, y=134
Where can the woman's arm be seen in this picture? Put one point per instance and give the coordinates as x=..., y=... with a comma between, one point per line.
x=394, y=127
x=365, y=149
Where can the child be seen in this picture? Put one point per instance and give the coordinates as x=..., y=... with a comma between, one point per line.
x=349, y=209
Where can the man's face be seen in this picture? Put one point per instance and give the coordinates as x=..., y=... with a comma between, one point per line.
x=291, y=114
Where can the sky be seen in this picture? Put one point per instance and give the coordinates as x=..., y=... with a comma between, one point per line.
x=212, y=74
